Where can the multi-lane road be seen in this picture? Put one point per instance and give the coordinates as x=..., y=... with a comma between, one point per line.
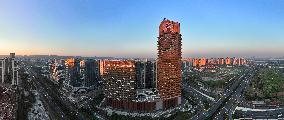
x=236, y=97
x=57, y=106
x=197, y=93
x=225, y=103
x=225, y=107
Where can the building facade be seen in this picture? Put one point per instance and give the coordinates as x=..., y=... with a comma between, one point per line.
x=79, y=73
x=91, y=75
x=121, y=91
x=169, y=72
x=150, y=74
x=228, y=61
x=140, y=69
x=145, y=74
x=120, y=85
x=73, y=76
x=9, y=70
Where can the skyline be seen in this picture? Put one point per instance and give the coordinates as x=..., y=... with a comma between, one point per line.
x=129, y=29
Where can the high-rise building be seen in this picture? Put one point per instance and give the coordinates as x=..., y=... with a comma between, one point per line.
x=102, y=67
x=120, y=82
x=228, y=61
x=9, y=70
x=169, y=63
x=145, y=74
x=121, y=91
x=187, y=64
x=91, y=75
x=75, y=73
x=57, y=71
x=140, y=68
x=73, y=76
x=195, y=62
x=150, y=74
x=2, y=70
x=221, y=61
x=235, y=61
x=242, y=61
x=202, y=62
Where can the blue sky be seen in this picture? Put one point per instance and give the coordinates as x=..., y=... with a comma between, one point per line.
x=129, y=28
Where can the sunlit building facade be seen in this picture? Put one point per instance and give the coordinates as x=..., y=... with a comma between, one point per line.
x=169, y=63
x=228, y=61
x=220, y=61
x=73, y=76
x=119, y=82
x=121, y=90
x=57, y=71
x=195, y=62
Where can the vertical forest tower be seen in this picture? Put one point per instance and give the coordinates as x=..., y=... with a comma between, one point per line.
x=169, y=63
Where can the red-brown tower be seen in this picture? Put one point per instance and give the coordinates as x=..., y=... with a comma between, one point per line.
x=169, y=63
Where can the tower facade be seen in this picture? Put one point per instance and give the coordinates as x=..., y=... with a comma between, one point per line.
x=9, y=70
x=169, y=63
x=228, y=61
x=120, y=87
x=73, y=74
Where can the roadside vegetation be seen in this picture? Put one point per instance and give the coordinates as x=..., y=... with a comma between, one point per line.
x=265, y=84
x=25, y=96
x=213, y=81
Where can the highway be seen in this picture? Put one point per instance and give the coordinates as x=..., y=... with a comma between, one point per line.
x=221, y=104
x=53, y=109
x=197, y=93
x=237, y=99
x=58, y=107
x=237, y=96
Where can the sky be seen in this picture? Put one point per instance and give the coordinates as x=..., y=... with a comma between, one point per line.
x=129, y=28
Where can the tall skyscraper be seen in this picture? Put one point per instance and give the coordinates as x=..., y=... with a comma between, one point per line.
x=228, y=61
x=140, y=67
x=202, y=62
x=2, y=69
x=150, y=74
x=57, y=71
x=169, y=63
x=73, y=76
x=145, y=74
x=91, y=73
x=195, y=62
x=220, y=61
x=9, y=70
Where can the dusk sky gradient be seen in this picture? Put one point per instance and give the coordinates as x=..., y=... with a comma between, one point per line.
x=129, y=28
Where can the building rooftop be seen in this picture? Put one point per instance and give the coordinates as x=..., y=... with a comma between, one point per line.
x=149, y=95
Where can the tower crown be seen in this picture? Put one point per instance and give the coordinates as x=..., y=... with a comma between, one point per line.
x=168, y=26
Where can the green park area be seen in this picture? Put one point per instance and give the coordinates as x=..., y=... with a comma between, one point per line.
x=266, y=82
x=219, y=79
